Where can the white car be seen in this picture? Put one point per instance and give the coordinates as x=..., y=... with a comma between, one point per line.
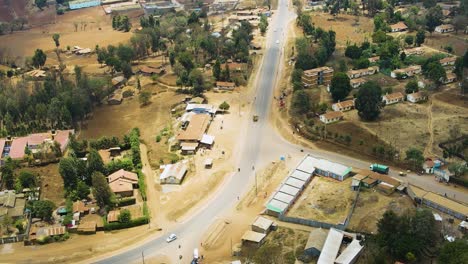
x=171, y=238
x=277, y=41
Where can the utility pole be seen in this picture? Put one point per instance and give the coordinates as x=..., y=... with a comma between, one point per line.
x=256, y=189
x=143, y=256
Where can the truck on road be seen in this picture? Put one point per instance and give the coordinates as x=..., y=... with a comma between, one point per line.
x=383, y=169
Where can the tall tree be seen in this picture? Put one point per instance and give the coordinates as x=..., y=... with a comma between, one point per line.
x=217, y=70
x=67, y=169
x=415, y=157
x=434, y=18
x=300, y=103
x=95, y=162
x=43, y=209
x=420, y=37
x=8, y=179
x=340, y=86
x=56, y=38
x=39, y=58
x=369, y=101
x=454, y=252
x=436, y=73
x=101, y=190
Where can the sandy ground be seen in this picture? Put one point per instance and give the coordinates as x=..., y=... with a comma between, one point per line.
x=51, y=183
x=325, y=200
x=345, y=28
x=372, y=205
x=98, y=31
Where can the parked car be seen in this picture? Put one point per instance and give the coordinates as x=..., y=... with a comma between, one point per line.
x=171, y=238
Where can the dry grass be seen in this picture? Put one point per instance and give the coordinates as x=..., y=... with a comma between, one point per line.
x=51, y=183
x=372, y=205
x=324, y=200
x=344, y=27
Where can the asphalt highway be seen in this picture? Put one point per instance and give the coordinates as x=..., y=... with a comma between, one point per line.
x=262, y=144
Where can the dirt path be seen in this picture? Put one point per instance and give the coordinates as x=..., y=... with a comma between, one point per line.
x=430, y=127
x=152, y=190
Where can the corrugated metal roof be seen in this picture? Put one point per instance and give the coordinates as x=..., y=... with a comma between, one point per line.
x=301, y=175
x=331, y=247
x=350, y=253
x=306, y=166
x=286, y=198
x=289, y=190
x=276, y=206
x=295, y=182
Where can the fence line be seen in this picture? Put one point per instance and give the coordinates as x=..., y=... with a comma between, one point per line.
x=318, y=224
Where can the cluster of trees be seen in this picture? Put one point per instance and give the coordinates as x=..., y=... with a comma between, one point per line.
x=315, y=51
x=263, y=24
x=118, y=59
x=121, y=22
x=55, y=103
x=405, y=237
x=80, y=175
x=15, y=25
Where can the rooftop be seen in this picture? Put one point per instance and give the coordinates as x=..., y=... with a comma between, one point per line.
x=333, y=115
x=196, y=128
x=331, y=247
x=177, y=171
x=393, y=96
x=263, y=223
x=345, y=104
x=253, y=236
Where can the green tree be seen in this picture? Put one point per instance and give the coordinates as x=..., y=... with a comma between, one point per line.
x=224, y=106
x=409, y=40
x=144, y=98
x=95, y=162
x=217, y=70
x=420, y=37
x=125, y=216
x=82, y=190
x=296, y=79
x=67, y=169
x=101, y=191
x=56, y=38
x=434, y=18
x=27, y=179
x=415, y=157
x=39, y=58
x=429, y=3
x=459, y=68
x=43, y=209
x=369, y=101
x=460, y=22
x=411, y=87
x=126, y=70
x=455, y=252
x=436, y=73
x=458, y=169
x=353, y=52
x=300, y=102
x=40, y=3
x=226, y=74
x=268, y=253
x=7, y=221
x=340, y=86
x=7, y=173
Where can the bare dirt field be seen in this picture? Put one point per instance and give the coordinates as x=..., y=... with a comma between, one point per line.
x=439, y=41
x=324, y=200
x=117, y=120
x=372, y=205
x=343, y=25
x=93, y=28
x=51, y=183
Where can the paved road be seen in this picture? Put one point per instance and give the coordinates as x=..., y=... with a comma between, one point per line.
x=262, y=145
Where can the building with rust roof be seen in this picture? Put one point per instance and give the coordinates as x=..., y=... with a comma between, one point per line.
x=331, y=117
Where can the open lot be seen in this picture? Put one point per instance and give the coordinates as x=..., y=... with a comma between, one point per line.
x=372, y=205
x=345, y=27
x=51, y=183
x=93, y=28
x=439, y=41
x=324, y=200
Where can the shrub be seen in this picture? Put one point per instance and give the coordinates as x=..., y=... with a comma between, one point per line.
x=158, y=138
x=126, y=201
x=127, y=94
x=117, y=225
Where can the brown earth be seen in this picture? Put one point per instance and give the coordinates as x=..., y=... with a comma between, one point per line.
x=98, y=31
x=324, y=200
x=51, y=183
